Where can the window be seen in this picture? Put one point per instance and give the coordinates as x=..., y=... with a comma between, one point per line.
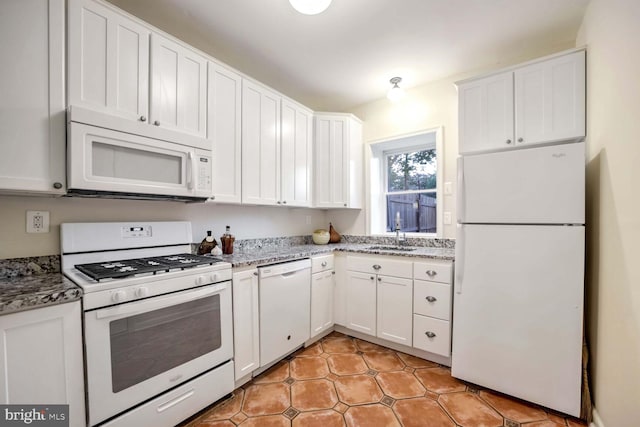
x=411, y=190
x=405, y=179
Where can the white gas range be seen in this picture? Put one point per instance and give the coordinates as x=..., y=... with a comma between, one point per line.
x=157, y=321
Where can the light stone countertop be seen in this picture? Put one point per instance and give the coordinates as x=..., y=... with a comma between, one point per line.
x=27, y=292
x=272, y=255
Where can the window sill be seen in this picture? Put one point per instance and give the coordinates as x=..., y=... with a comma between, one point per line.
x=411, y=235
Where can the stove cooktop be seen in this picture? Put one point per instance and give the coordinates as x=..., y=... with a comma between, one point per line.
x=158, y=264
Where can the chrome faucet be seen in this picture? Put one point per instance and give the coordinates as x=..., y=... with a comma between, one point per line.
x=400, y=241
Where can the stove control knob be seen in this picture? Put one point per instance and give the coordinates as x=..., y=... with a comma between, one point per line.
x=200, y=281
x=142, y=292
x=119, y=296
x=214, y=277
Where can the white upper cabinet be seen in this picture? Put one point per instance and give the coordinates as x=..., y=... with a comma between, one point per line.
x=32, y=123
x=178, y=87
x=550, y=100
x=486, y=113
x=338, y=161
x=108, y=61
x=224, y=102
x=540, y=102
x=296, y=154
x=120, y=66
x=260, y=145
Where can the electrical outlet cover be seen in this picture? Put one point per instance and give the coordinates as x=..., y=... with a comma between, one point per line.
x=37, y=221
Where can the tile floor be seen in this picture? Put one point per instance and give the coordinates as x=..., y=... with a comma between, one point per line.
x=344, y=381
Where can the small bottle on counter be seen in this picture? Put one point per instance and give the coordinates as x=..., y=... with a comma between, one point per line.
x=207, y=244
x=227, y=241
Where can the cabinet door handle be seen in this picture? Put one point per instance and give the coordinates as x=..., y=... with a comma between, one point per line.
x=431, y=273
x=156, y=123
x=430, y=334
x=508, y=141
x=376, y=267
x=379, y=279
x=371, y=277
x=57, y=185
x=431, y=299
x=143, y=119
x=284, y=202
x=324, y=264
x=520, y=139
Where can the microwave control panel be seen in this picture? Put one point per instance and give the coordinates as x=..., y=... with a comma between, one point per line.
x=204, y=173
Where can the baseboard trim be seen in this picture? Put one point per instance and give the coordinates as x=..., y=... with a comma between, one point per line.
x=597, y=421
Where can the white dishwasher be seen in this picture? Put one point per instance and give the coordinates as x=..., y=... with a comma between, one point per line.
x=285, y=304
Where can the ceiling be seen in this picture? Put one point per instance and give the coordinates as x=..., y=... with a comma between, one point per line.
x=345, y=56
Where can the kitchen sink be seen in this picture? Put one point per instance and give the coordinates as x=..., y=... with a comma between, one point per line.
x=391, y=248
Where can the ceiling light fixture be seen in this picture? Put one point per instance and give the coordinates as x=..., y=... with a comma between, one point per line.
x=310, y=7
x=396, y=93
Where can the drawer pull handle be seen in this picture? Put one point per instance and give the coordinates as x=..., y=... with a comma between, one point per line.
x=324, y=264
x=371, y=277
x=379, y=279
x=431, y=273
x=430, y=334
x=431, y=299
x=376, y=267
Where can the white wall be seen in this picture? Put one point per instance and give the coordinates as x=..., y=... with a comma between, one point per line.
x=245, y=221
x=611, y=31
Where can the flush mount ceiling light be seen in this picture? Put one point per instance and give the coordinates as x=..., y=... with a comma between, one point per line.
x=310, y=7
x=396, y=93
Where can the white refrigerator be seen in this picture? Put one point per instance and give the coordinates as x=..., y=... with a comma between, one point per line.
x=519, y=282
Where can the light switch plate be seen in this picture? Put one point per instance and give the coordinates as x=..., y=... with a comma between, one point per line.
x=447, y=218
x=448, y=189
x=37, y=221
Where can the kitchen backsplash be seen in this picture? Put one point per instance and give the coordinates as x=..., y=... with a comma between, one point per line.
x=17, y=267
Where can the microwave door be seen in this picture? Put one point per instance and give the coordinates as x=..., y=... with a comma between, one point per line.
x=103, y=160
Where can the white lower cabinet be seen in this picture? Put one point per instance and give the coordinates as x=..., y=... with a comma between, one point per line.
x=379, y=297
x=322, y=286
x=432, y=306
x=395, y=302
x=361, y=302
x=246, y=322
x=41, y=358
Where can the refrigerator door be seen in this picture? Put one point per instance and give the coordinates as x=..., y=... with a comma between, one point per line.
x=543, y=185
x=517, y=319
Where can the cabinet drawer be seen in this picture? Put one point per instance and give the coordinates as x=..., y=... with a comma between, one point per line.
x=439, y=342
x=433, y=271
x=381, y=265
x=321, y=263
x=432, y=299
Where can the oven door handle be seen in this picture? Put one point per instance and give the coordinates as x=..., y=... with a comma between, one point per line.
x=139, y=307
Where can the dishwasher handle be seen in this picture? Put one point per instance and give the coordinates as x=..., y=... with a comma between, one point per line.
x=284, y=269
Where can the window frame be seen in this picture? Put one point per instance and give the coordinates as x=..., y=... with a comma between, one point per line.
x=377, y=188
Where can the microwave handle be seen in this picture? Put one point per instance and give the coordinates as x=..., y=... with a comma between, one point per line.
x=190, y=170
x=139, y=307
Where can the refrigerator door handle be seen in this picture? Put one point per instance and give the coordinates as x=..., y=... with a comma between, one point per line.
x=459, y=259
x=460, y=190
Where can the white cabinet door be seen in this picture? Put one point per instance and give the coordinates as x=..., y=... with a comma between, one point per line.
x=178, y=87
x=41, y=359
x=224, y=130
x=108, y=61
x=246, y=323
x=322, y=285
x=296, y=157
x=260, y=145
x=395, y=309
x=332, y=159
x=32, y=123
x=361, y=302
x=486, y=113
x=550, y=100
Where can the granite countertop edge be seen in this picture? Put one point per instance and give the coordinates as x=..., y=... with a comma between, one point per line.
x=35, y=291
x=258, y=258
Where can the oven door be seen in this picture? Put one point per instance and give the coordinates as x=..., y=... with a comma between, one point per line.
x=140, y=349
x=108, y=161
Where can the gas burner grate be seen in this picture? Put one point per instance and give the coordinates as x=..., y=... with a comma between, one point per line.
x=129, y=267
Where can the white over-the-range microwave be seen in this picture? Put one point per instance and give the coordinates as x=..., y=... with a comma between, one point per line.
x=111, y=157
